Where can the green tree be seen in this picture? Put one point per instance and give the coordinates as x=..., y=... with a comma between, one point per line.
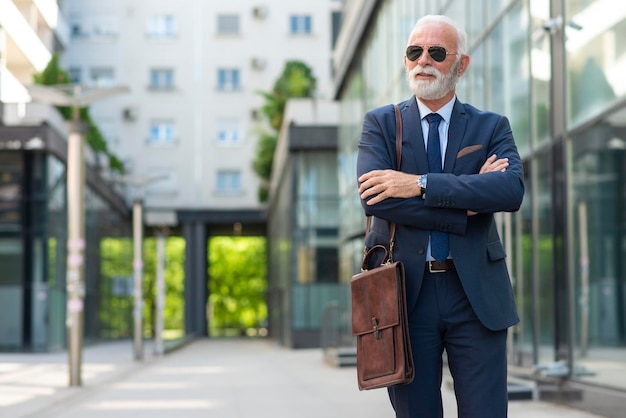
x=296, y=80
x=53, y=74
x=237, y=283
x=264, y=160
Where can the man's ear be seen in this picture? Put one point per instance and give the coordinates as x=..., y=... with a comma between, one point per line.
x=464, y=63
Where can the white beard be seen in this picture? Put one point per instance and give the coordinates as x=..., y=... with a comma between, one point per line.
x=432, y=90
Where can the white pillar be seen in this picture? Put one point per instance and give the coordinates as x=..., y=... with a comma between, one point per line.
x=138, y=276
x=75, y=250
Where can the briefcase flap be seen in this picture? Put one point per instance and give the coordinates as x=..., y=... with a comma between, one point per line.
x=375, y=298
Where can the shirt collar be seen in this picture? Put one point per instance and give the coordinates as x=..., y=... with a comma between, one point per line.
x=445, y=112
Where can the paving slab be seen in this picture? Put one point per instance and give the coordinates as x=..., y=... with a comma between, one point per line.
x=217, y=378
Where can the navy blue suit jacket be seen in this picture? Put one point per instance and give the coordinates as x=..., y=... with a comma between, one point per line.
x=475, y=246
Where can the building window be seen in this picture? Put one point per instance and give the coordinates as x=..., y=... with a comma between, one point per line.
x=228, y=181
x=75, y=74
x=161, y=26
x=76, y=27
x=227, y=79
x=105, y=27
x=300, y=24
x=161, y=79
x=102, y=77
x=228, y=132
x=227, y=24
x=161, y=133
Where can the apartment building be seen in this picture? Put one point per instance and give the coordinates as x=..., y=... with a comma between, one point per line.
x=192, y=118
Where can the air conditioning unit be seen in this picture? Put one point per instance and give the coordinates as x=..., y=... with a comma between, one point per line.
x=258, y=64
x=129, y=114
x=259, y=12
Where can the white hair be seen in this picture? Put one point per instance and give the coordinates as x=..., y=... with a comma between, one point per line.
x=460, y=33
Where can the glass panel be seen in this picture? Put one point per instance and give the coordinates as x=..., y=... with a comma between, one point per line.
x=10, y=191
x=521, y=273
x=228, y=132
x=228, y=181
x=161, y=133
x=543, y=294
x=161, y=78
x=596, y=57
x=300, y=24
x=599, y=245
x=540, y=69
x=161, y=26
x=56, y=253
x=227, y=79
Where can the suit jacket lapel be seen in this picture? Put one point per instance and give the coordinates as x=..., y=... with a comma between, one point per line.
x=413, y=141
x=458, y=123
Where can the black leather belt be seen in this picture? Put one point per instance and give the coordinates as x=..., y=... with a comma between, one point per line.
x=440, y=267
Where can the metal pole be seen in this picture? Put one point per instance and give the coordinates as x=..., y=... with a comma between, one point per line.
x=77, y=97
x=75, y=248
x=160, y=292
x=138, y=271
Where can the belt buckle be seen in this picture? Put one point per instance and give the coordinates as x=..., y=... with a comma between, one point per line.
x=430, y=268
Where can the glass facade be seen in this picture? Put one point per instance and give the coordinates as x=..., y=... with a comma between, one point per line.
x=302, y=248
x=33, y=237
x=559, y=80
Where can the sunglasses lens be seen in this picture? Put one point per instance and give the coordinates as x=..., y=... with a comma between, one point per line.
x=414, y=52
x=437, y=53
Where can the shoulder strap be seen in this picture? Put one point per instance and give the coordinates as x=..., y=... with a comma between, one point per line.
x=368, y=220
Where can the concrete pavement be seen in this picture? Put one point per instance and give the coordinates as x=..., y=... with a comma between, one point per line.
x=218, y=378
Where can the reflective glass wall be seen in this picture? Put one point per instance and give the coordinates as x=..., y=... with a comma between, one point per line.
x=302, y=247
x=33, y=237
x=596, y=121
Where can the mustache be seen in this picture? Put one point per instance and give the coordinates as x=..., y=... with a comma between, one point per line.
x=418, y=69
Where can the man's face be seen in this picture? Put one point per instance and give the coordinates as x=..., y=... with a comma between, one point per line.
x=428, y=78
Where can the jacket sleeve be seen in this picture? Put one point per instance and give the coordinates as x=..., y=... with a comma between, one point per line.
x=483, y=193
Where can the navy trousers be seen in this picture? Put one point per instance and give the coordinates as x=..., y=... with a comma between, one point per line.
x=444, y=320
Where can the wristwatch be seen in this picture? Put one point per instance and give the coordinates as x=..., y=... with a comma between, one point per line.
x=422, y=181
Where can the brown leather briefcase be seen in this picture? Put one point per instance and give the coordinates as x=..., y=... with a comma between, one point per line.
x=379, y=313
x=379, y=322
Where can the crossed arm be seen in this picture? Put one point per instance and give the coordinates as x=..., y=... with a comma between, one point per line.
x=383, y=184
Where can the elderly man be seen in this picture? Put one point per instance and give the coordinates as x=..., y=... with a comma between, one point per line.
x=459, y=166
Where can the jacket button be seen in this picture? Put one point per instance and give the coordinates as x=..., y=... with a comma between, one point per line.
x=420, y=251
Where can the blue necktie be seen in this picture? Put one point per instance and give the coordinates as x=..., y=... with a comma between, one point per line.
x=438, y=240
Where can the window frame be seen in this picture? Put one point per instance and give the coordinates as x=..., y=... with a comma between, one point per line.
x=165, y=132
x=228, y=79
x=300, y=24
x=164, y=78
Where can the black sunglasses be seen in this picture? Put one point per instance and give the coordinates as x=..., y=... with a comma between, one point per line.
x=438, y=53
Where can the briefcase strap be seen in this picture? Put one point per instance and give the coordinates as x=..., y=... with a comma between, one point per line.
x=368, y=220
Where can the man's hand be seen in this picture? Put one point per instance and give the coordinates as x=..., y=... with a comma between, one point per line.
x=491, y=164
x=494, y=164
x=387, y=183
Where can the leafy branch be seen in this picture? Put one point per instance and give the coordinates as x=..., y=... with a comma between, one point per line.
x=296, y=80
